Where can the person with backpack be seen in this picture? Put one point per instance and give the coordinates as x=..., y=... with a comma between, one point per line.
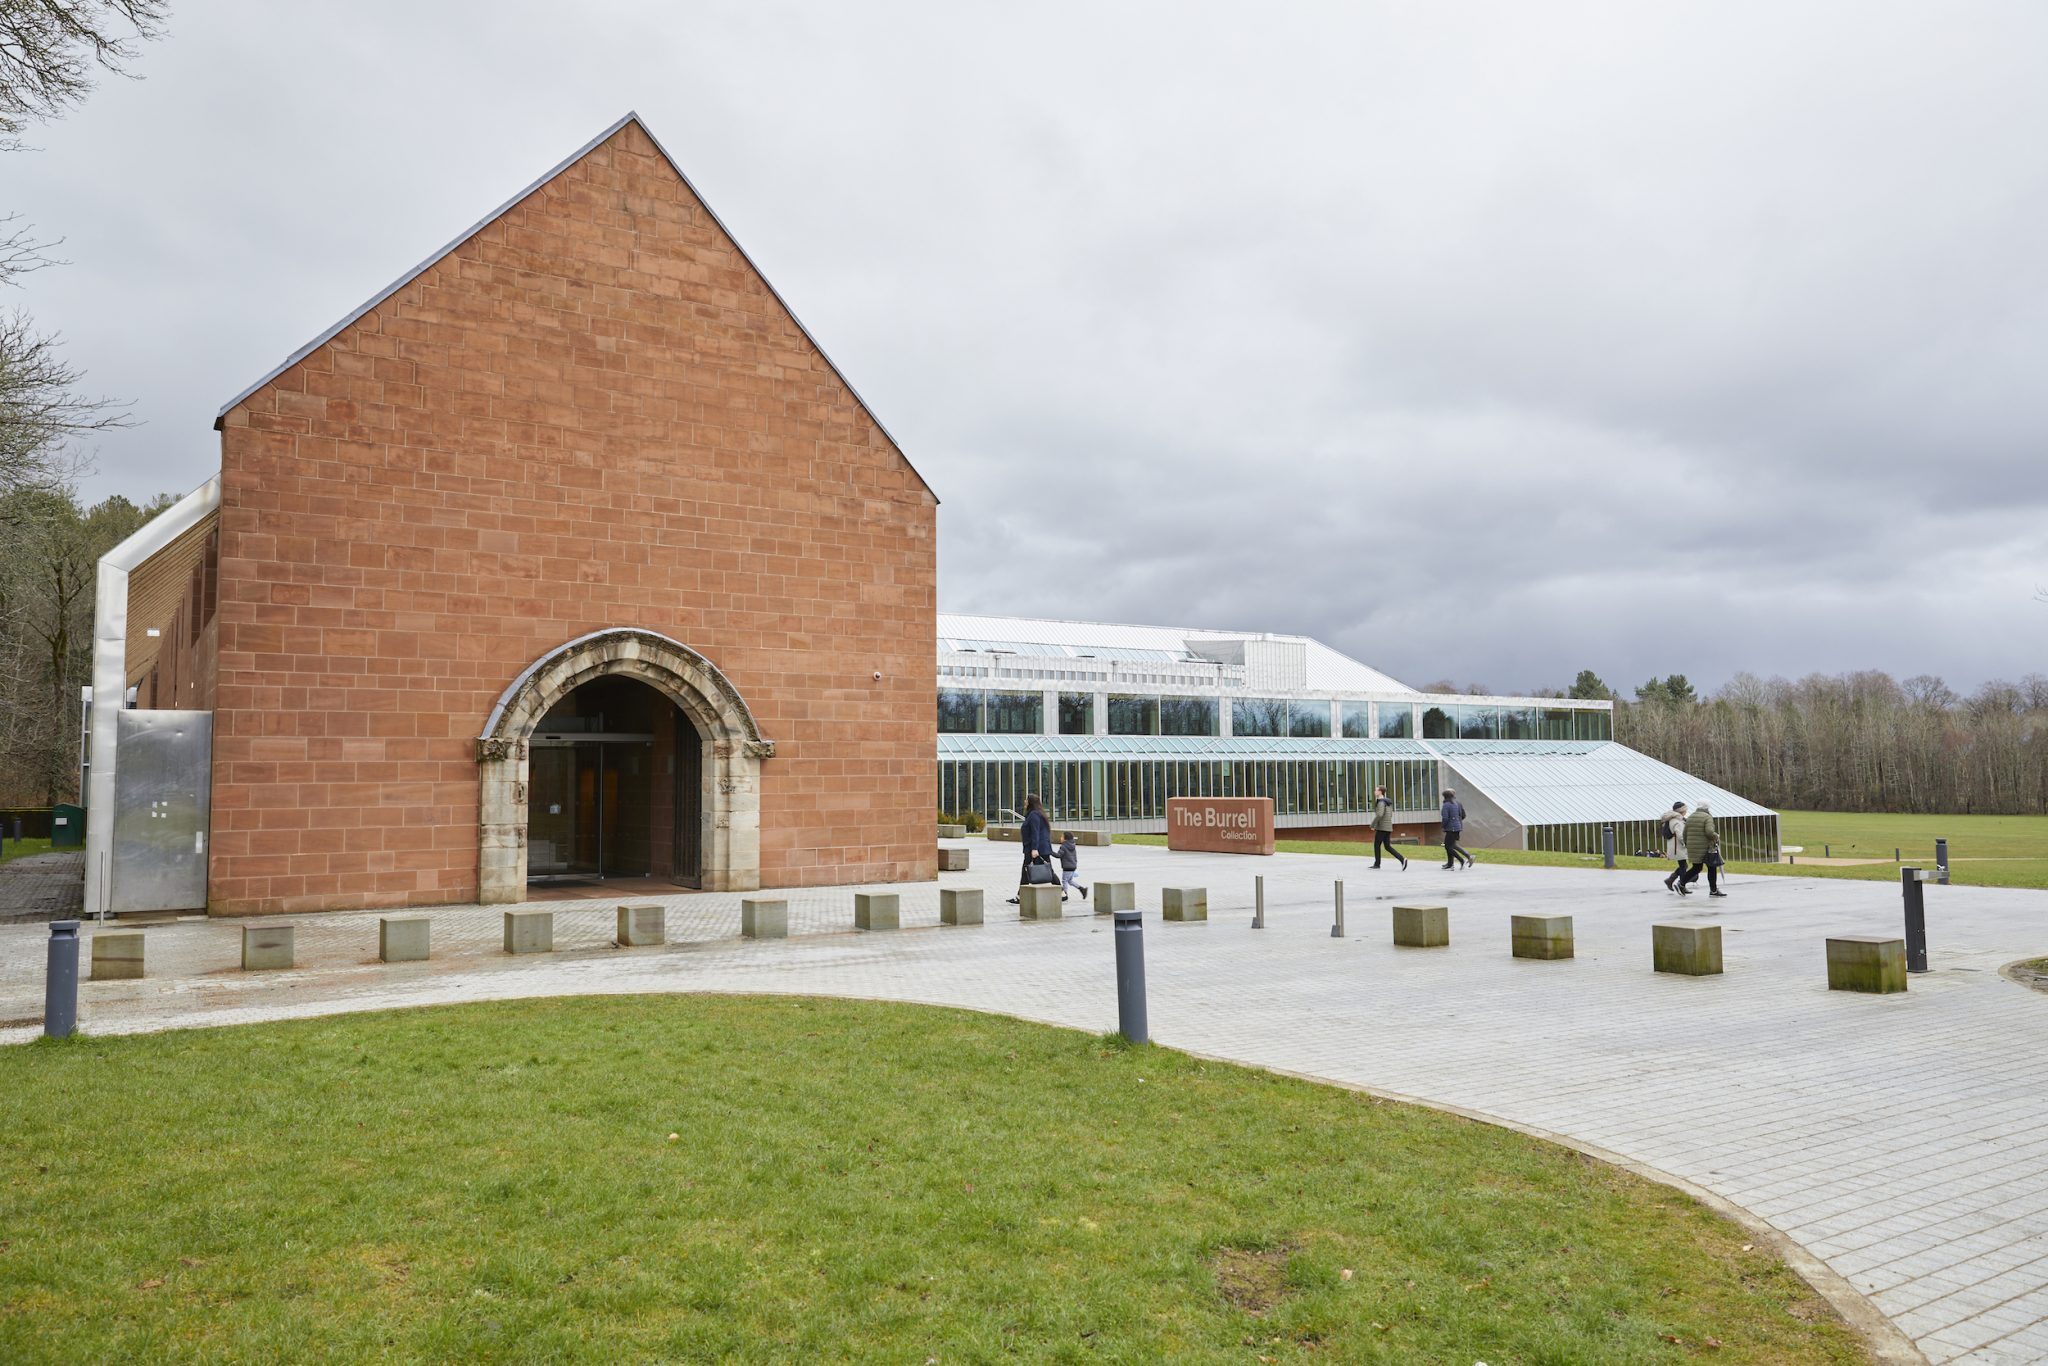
x=1036, y=837
x=1070, y=867
x=1453, y=814
x=1672, y=828
x=1383, y=828
x=1702, y=850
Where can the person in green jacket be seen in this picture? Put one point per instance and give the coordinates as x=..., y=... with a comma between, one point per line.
x=1383, y=828
x=1702, y=850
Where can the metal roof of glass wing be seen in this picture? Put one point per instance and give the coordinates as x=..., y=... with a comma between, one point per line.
x=1569, y=782
x=1328, y=670
x=1171, y=747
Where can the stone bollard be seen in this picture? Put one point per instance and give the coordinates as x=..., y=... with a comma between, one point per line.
x=764, y=917
x=1039, y=901
x=953, y=860
x=1422, y=927
x=641, y=926
x=404, y=938
x=877, y=911
x=959, y=905
x=116, y=954
x=1111, y=897
x=1688, y=950
x=1872, y=963
x=1542, y=936
x=265, y=947
x=1187, y=904
x=529, y=931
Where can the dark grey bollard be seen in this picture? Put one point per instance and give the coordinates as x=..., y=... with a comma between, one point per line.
x=1607, y=846
x=1130, y=977
x=1916, y=919
x=1941, y=859
x=60, y=984
x=1337, y=930
x=1827, y=851
x=1258, y=903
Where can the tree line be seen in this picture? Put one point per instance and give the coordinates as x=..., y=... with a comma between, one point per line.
x=1849, y=742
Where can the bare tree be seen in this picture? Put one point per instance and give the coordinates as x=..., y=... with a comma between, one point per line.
x=51, y=50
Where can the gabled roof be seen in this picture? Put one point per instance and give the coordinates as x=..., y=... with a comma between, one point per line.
x=495, y=214
x=1563, y=782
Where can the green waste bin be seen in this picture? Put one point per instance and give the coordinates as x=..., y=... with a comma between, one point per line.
x=67, y=827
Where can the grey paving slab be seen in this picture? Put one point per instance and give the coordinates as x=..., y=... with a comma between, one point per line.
x=1902, y=1139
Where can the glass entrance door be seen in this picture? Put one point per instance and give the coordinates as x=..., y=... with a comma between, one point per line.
x=587, y=805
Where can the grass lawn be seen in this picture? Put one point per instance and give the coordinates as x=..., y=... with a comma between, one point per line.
x=1984, y=851
x=14, y=849
x=692, y=1178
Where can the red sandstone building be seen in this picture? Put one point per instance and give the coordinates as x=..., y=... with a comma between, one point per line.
x=568, y=554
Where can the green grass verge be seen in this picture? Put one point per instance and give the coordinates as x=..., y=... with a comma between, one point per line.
x=1984, y=851
x=1855, y=834
x=846, y=1181
x=13, y=849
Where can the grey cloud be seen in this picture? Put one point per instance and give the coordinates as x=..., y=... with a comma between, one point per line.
x=1493, y=341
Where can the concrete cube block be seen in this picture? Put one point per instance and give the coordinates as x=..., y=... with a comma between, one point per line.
x=953, y=860
x=640, y=926
x=877, y=911
x=116, y=954
x=1114, y=896
x=959, y=905
x=1422, y=927
x=266, y=946
x=1542, y=936
x=1184, y=903
x=1871, y=963
x=1039, y=902
x=952, y=832
x=404, y=938
x=529, y=931
x=1689, y=950
x=764, y=917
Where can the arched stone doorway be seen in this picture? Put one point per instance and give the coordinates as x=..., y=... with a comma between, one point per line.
x=731, y=750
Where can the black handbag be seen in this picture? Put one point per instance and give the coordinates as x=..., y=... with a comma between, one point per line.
x=1039, y=872
x=1714, y=857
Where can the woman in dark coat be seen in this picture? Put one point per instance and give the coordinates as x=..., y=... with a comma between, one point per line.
x=1036, y=837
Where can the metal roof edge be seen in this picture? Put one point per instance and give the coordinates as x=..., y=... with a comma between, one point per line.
x=494, y=215
x=167, y=526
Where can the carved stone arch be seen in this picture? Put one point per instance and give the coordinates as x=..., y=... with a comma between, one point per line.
x=733, y=750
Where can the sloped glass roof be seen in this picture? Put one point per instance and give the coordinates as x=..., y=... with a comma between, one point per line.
x=1559, y=782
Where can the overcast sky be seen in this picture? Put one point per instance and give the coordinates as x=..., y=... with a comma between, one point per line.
x=1481, y=341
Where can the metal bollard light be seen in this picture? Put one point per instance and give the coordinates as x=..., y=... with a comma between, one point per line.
x=1130, y=976
x=1337, y=929
x=1259, y=903
x=1607, y=845
x=1916, y=919
x=60, y=983
x=1941, y=859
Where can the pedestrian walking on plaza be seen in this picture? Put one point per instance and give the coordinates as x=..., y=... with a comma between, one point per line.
x=1070, y=866
x=1673, y=829
x=1454, y=825
x=1702, y=850
x=1036, y=837
x=1383, y=828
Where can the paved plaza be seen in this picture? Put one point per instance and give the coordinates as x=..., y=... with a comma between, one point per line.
x=1901, y=1140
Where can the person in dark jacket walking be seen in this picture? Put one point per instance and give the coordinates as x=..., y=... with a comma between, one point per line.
x=1070, y=867
x=1702, y=850
x=1036, y=837
x=1453, y=814
x=1383, y=828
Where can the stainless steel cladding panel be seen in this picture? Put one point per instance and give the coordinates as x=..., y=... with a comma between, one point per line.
x=162, y=786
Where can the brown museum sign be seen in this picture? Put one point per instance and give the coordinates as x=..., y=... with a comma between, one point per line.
x=1220, y=825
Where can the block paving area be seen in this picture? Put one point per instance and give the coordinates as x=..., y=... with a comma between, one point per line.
x=1902, y=1140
